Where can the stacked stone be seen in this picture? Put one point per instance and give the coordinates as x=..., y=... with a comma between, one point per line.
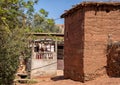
x=113, y=61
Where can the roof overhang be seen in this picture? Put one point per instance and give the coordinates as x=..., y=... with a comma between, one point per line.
x=48, y=34
x=85, y=4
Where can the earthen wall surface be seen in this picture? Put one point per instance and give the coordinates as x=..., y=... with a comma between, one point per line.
x=101, y=26
x=73, y=46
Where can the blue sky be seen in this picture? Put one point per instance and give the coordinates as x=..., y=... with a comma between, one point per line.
x=56, y=7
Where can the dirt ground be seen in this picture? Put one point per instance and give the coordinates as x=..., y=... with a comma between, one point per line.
x=59, y=80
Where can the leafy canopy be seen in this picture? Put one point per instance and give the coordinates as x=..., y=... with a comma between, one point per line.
x=13, y=40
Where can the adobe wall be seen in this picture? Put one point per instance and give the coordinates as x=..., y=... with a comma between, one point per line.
x=99, y=24
x=73, y=46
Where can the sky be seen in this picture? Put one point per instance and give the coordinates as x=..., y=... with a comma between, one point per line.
x=56, y=8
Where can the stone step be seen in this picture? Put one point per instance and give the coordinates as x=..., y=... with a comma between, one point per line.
x=21, y=80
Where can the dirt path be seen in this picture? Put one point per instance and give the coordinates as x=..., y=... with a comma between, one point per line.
x=104, y=81
x=59, y=80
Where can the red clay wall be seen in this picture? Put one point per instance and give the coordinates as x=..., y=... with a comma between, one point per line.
x=73, y=46
x=99, y=25
x=86, y=39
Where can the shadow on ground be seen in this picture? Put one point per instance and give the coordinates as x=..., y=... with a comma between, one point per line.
x=57, y=78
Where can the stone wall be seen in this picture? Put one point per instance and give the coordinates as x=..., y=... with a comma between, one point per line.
x=113, y=59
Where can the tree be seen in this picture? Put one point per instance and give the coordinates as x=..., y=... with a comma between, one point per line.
x=12, y=36
x=44, y=24
x=16, y=18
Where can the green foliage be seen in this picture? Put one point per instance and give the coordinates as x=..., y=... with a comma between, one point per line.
x=12, y=46
x=13, y=39
x=44, y=24
x=43, y=12
x=16, y=19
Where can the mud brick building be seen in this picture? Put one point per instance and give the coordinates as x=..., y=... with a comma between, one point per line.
x=89, y=28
